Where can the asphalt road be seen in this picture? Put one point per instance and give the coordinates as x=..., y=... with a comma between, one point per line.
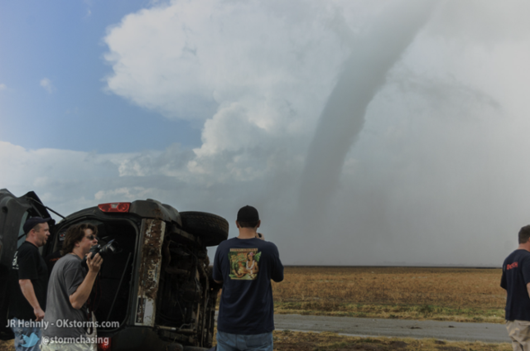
x=486, y=332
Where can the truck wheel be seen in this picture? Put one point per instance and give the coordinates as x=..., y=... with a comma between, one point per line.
x=211, y=228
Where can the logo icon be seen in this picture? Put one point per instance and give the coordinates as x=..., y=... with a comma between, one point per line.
x=30, y=341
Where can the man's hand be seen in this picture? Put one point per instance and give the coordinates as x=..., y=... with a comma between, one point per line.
x=39, y=314
x=260, y=236
x=80, y=296
x=94, y=263
x=26, y=286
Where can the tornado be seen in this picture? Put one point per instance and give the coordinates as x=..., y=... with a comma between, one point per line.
x=342, y=119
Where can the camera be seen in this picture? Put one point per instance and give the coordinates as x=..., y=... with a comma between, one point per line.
x=107, y=249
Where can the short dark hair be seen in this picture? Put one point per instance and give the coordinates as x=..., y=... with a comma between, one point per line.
x=75, y=234
x=248, y=224
x=247, y=214
x=524, y=234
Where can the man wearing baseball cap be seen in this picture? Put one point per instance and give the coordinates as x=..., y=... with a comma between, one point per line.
x=29, y=284
x=245, y=266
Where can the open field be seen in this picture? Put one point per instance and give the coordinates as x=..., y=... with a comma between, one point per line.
x=297, y=341
x=453, y=294
x=7, y=345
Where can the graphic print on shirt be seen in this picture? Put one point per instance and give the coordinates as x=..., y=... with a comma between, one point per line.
x=14, y=264
x=244, y=264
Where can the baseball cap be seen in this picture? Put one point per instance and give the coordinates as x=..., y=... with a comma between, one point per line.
x=247, y=214
x=32, y=222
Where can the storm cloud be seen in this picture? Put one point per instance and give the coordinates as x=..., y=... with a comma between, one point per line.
x=365, y=133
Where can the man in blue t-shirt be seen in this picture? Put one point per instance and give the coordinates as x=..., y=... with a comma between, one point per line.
x=516, y=281
x=245, y=266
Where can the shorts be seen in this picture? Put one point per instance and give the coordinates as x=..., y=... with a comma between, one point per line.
x=519, y=332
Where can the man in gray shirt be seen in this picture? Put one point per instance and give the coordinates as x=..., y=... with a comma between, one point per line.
x=67, y=323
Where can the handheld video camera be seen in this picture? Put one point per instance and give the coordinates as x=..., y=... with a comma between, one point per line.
x=107, y=249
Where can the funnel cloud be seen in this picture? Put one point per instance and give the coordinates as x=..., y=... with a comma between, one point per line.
x=342, y=119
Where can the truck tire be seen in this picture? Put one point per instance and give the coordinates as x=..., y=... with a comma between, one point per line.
x=210, y=228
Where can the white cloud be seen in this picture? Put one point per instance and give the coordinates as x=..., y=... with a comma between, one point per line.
x=437, y=175
x=124, y=194
x=47, y=85
x=242, y=69
x=434, y=143
x=3, y=87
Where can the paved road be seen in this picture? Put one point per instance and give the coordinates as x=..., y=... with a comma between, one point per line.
x=487, y=332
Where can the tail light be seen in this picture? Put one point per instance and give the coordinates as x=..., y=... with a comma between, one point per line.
x=104, y=344
x=115, y=207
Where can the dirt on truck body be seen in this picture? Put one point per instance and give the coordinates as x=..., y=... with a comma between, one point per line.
x=155, y=291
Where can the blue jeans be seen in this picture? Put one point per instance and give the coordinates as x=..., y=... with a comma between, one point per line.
x=27, y=338
x=240, y=342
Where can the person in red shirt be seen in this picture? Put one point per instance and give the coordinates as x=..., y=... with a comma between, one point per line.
x=516, y=281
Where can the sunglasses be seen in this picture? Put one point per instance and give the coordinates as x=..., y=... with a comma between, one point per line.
x=91, y=237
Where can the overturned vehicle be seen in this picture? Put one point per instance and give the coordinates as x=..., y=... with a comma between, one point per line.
x=154, y=292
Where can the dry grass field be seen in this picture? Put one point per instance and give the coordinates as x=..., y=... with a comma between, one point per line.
x=455, y=294
x=7, y=345
x=296, y=341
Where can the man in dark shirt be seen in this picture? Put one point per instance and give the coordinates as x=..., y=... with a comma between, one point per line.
x=516, y=281
x=245, y=265
x=29, y=284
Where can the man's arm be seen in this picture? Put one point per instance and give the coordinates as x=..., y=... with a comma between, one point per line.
x=80, y=296
x=216, y=271
x=528, y=289
x=277, y=270
x=29, y=293
x=277, y=274
x=504, y=284
x=28, y=261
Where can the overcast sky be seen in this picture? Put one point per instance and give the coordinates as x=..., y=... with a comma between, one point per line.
x=365, y=132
